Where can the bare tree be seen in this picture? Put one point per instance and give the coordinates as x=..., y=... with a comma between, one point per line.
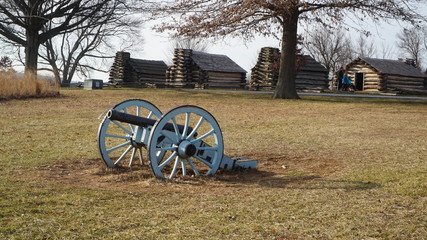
x=245, y=18
x=363, y=47
x=190, y=43
x=24, y=22
x=347, y=54
x=411, y=44
x=5, y=64
x=330, y=47
x=71, y=52
x=195, y=44
x=386, y=51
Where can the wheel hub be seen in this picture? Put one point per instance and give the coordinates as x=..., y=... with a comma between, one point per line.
x=186, y=149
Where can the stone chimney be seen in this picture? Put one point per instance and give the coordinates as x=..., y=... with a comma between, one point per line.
x=409, y=61
x=119, y=70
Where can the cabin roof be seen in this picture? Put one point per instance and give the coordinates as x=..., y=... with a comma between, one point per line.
x=215, y=62
x=312, y=65
x=148, y=66
x=394, y=67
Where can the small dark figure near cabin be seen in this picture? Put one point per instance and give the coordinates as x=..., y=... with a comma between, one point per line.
x=346, y=82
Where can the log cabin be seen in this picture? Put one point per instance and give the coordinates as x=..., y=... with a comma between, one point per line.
x=312, y=75
x=372, y=74
x=204, y=70
x=131, y=72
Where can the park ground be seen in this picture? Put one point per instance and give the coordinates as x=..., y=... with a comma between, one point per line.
x=329, y=168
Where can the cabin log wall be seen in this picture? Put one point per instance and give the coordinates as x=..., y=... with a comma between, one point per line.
x=311, y=76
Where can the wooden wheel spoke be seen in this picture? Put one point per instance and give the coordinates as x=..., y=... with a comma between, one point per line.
x=118, y=146
x=203, y=161
x=190, y=162
x=140, y=156
x=187, y=122
x=184, y=167
x=132, y=157
x=199, y=123
x=123, y=128
x=165, y=149
x=150, y=114
x=117, y=136
x=123, y=155
x=175, y=127
x=175, y=167
x=167, y=160
x=212, y=131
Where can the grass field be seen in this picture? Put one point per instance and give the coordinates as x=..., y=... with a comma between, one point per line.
x=329, y=169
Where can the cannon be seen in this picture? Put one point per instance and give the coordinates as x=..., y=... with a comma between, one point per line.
x=186, y=140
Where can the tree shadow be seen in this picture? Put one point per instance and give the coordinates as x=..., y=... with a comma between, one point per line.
x=360, y=100
x=93, y=173
x=266, y=179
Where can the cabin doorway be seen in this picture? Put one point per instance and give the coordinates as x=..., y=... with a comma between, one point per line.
x=359, y=81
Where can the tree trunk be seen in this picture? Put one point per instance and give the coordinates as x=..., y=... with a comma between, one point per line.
x=51, y=58
x=31, y=53
x=56, y=74
x=65, y=81
x=286, y=87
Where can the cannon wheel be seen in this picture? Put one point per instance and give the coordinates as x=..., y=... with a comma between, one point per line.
x=194, y=148
x=115, y=138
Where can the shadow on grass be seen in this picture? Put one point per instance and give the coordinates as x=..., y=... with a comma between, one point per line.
x=245, y=179
x=93, y=174
x=215, y=93
x=302, y=181
x=332, y=98
x=353, y=100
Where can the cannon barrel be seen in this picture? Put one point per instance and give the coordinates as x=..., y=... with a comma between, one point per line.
x=141, y=121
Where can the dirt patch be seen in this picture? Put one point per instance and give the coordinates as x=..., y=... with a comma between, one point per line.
x=92, y=173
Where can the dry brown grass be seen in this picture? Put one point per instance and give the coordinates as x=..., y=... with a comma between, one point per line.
x=12, y=86
x=329, y=169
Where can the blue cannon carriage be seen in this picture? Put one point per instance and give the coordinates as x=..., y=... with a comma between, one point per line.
x=186, y=140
